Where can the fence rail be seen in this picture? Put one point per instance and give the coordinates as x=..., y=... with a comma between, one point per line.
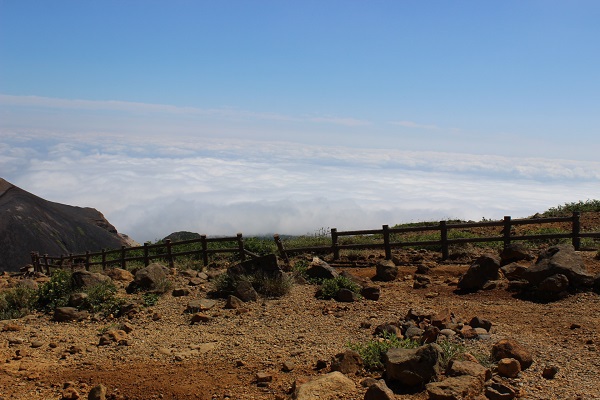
x=383, y=236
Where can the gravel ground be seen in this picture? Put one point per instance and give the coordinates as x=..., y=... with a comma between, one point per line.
x=167, y=357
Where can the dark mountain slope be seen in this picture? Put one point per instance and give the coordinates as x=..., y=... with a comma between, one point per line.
x=30, y=223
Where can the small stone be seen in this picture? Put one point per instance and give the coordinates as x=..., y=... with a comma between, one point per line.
x=180, y=292
x=263, y=377
x=36, y=344
x=509, y=367
x=97, y=393
x=550, y=372
x=321, y=364
x=575, y=326
x=200, y=317
x=379, y=391
x=288, y=366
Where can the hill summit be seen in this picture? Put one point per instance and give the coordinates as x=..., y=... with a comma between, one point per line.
x=29, y=223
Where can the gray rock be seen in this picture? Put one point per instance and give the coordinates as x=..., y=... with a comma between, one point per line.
x=413, y=367
x=388, y=329
x=499, y=391
x=514, y=252
x=346, y=296
x=386, y=271
x=77, y=299
x=477, y=322
x=148, y=278
x=455, y=388
x=348, y=362
x=233, y=302
x=371, y=292
x=561, y=259
x=513, y=271
x=85, y=279
x=484, y=269
x=458, y=368
x=334, y=385
x=97, y=393
x=413, y=331
x=245, y=292
x=319, y=269
x=180, y=292
x=379, y=391
x=201, y=305
x=66, y=314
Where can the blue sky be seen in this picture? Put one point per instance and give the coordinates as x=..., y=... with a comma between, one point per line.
x=398, y=110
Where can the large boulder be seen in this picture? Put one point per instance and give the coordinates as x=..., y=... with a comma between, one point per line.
x=413, y=367
x=455, y=388
x=560, y=259
x=148, y=278
x=266, y=265
x=510, y=348
x=484, y=269
x=319, y=269
x=83, y=279
x=334, y=385
x=67, y=314
x=514, y=252
x=386, y=271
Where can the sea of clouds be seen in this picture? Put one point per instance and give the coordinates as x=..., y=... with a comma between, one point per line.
x=151, y=186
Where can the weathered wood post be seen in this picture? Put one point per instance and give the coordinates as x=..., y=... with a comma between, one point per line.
x=444, y=240
x=576, y=240
x=506, y=230
x=46, y=264
x=240, y=241
x=386, y=242
x=281, y=249
x=204, y=250
x=72, y=261
x=146, y=254
x=169, y=253
x=123, y=262
x=87, y=260
x=35, y=261
x=334, y=244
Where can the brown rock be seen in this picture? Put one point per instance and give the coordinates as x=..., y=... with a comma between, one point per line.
x=379, y=391
x=97, y=393
x=509, y=367
x=458, y=368
x=509, y=348
x=455, y=388
x=348, y=362
x=200, y=317
x=550, y=372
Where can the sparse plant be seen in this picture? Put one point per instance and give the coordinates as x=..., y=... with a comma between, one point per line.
x=372, y=352
x=163, y=286
x=55, y=293
x=268, y=285
x=17, y=302
x=150, y=299
x=451, y=349
x=102, y=298
x=331, y=287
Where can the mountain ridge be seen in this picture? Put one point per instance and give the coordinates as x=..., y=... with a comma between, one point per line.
x=30, y=223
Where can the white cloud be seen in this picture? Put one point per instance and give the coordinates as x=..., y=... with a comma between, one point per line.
x=411, y=124
x=219, y=187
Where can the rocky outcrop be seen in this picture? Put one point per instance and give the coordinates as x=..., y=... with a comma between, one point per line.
x=413, y=367
x=29, y=223
x=334, y=385
x=484, y=269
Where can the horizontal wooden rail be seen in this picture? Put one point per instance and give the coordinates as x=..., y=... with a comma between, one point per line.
x=386, y=238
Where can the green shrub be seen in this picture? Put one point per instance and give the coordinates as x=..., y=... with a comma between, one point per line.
x=150, y=299
x=55, y=293
x=102, y=298
x=17, y=302
x=271, y=286
x=568, y=208
x=331, y=287
x=372, y=352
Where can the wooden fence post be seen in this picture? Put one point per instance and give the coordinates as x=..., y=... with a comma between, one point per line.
x=576, y=240
x=123, y=262
x=169, y=253
x=204, y=250
x=35, y=261
x=241, y=247
x=334, y=244
x=506, y=231
x=444, y=240
x=46, y=264
x=146, y=254
x=71, y=261
x=87, y=260
x=281, y=249
x=386, y=242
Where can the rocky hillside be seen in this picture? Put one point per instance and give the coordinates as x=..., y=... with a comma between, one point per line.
x=30, y=223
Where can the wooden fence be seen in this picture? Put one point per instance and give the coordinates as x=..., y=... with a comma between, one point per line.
x=163, y=251
x=383, y=239
x=444, y=243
